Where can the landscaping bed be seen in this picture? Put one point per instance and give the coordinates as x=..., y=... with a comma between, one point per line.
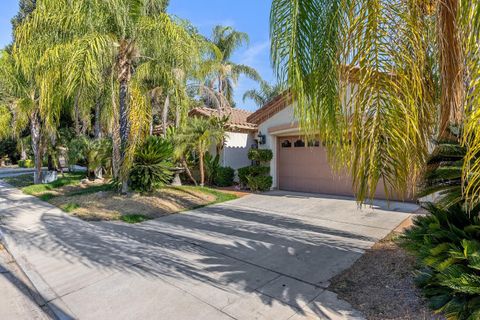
x=96, y=201
x=381, y=284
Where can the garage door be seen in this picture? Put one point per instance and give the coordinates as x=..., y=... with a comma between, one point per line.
x=303, y=167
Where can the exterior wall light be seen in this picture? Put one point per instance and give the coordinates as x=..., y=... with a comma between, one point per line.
x=262, y=139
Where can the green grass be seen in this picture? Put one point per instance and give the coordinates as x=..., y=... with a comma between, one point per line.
x=134, y=218
x=25, y=182
x=20, y=181
x=46, y=196
x=219, y=195
x=69, y=207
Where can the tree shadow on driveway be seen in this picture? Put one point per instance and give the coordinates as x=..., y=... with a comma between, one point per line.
x=221, y=254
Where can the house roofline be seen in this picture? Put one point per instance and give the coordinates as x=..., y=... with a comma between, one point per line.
x=283, y=100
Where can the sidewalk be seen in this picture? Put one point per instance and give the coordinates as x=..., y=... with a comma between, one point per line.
x=17, y=297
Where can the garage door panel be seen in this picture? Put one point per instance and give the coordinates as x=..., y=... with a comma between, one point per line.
x=306, y=169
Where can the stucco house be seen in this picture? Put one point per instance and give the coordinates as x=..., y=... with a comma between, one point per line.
x=240, y=133
x=297, y=164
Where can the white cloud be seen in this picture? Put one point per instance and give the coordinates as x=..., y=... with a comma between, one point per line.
x=249, y=57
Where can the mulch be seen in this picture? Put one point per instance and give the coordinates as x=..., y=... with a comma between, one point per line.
x=381, y=283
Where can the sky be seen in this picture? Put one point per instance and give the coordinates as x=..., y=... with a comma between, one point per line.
x=250, y=16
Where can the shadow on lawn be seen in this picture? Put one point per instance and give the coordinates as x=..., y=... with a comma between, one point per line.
x=232, y=249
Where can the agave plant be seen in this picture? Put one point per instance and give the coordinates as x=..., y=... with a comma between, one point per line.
x=152, y=165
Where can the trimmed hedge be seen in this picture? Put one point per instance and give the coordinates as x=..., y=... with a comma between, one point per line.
x=260, y=183
x=244, y=172
x=260, y=155
x=224, y=177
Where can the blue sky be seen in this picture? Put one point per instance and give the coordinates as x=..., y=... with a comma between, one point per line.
x=251, y=16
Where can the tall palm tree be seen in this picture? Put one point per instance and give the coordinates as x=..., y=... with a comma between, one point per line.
x=31, y=104
x=110, y=34
x=264, y=94
x=198, y=135
x=223, y=74
x=414, y=65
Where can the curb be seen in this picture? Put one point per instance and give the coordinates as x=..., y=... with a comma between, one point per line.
x=41, y=292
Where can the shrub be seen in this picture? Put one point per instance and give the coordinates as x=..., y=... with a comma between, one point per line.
x=259, y=183
x=244, y=172
x=212, y=165
x=242, y=175
x=8, y=149
x=443, y=177
x=447, y=245
x=224, y=177
x=260, y=155
x=26, y=163
x=95, y=154
x=152, y=166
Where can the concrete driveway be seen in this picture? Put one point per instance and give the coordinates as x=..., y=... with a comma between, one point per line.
x=259, y=257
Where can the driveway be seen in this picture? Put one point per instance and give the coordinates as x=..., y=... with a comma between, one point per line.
x=264, y=256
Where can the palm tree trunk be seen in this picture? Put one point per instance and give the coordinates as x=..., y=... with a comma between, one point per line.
x=23, y=151
x=166, y=106
x=35, y=132
x=97, y=125
x=451, y=67
x=177, y=116
x=187, y=170
x=124, y=129
x=115, y=140
x=124, y=76
x=77, y=114
x=202, y=169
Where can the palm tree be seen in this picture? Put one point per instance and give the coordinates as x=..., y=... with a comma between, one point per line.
x=223, y=74
x=265, y=94
x=415, y=69
x=21, y=79
x=198, y=135
x=116, y=35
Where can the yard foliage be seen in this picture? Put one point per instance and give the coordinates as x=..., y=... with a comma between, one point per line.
x=447, y=245
x=152, y=165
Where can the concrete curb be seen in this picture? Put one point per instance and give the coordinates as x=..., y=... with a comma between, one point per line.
x=43, y=293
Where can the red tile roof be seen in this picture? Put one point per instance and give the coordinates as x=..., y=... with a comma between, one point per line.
x=237, y=117
x=276, y=105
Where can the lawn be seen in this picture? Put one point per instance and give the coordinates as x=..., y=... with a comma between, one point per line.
x=94, y=201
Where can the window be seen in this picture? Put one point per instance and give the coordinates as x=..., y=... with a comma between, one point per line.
x=314, y=143
x=286, y=144
x=299, y=143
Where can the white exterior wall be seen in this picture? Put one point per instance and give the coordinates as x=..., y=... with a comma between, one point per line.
x=286, y=116
x=235, y=150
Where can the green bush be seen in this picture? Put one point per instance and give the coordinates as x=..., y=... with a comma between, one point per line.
x=26, y=163
x=447, y=245
x=259, y=183
x=244, y=172
x=224, y=177
x=212, y=165
x=242, y=175
x=8, y=149
x=93, y=153
x=152, y=166
x=260, y=155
